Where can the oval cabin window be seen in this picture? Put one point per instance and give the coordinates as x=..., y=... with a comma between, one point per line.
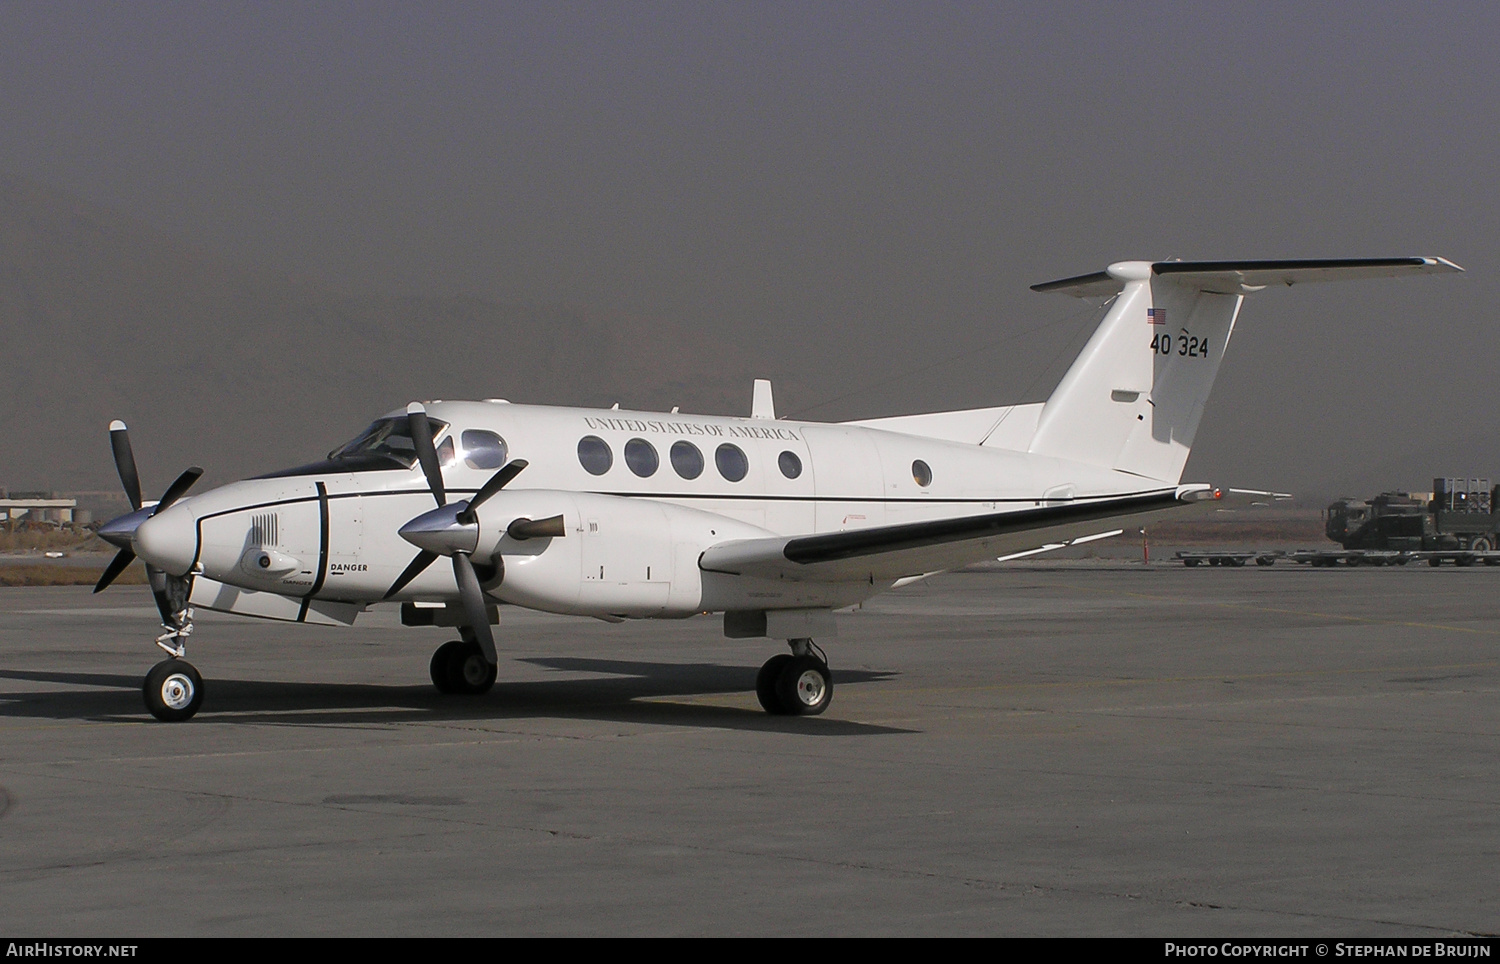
x=594, y=455
x=641, y=457
x=921, y=473
x=687, y=461
x=790, y=465
x=731, y=460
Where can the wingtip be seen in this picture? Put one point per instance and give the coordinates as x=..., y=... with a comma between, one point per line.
x=117, y=426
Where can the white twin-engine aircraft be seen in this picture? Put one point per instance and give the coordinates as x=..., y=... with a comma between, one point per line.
x=632, y=515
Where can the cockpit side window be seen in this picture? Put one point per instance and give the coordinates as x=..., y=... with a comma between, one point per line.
x=388, y=438
x=483, y=450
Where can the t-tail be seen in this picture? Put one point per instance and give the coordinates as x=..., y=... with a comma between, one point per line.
x=1133, y=398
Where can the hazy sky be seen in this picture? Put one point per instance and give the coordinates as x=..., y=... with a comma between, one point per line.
x=846, y=193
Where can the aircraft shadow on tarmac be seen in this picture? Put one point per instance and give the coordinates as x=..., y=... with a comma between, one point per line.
x=628, y=691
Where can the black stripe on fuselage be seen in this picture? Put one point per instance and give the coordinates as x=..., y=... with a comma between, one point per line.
x=322, y=575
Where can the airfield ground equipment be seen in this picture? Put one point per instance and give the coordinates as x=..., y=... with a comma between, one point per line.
x=1211, y=558
x=1457, y=523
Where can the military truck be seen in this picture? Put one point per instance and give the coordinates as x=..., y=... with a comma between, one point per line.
x=1458, y=522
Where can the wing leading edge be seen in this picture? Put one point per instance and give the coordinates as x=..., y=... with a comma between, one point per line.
x=895, y=551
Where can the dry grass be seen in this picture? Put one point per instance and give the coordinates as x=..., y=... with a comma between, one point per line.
x=62, y=540
x=28, y=575
x=1307, y=532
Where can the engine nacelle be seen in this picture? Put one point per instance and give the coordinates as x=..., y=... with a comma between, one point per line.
x=618, y=557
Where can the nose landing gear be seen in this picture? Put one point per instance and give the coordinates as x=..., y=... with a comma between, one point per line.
x=173, y=690
x=798, y=683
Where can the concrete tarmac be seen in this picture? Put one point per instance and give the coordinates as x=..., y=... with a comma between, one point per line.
x=1046, y=749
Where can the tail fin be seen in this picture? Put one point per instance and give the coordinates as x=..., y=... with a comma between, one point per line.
x=1133, y=398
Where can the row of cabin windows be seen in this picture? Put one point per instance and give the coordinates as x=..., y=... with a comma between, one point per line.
x=597, y=458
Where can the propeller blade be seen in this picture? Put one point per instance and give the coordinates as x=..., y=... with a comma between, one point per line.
x=158, y=581
x=182, y=484
x=417, y=567
x=119, y=441
x=117, y=565
x=421, y=440
x=474, y=608
x=497, y=482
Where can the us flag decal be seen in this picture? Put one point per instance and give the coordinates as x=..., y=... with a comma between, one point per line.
x=1156, y=316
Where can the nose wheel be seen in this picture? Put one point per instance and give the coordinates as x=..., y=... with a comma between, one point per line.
x=798, y=683
x=460, y=667
x=173, y=690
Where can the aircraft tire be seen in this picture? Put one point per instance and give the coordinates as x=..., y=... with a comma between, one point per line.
x=1434, y=561
x=173, y=690
x=441, y=666
x=469, y=673
x=804, y=686
x=765, y=684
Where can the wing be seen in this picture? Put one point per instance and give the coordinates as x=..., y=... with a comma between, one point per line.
x=896, y=551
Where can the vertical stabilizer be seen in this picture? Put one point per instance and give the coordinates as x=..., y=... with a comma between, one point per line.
x=1095, y=407
x=1134, y=397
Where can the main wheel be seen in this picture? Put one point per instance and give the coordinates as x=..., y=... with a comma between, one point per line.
x=805, y=686
x=173, y=690
x=468, y=671
x=765, y=684
x=1434, y=561
x=441, y=666
x=1482, y=544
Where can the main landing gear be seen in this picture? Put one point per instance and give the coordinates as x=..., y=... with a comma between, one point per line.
x=796, y=683
x=460, y=667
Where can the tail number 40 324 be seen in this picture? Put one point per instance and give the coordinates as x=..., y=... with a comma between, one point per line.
x=1185, y=344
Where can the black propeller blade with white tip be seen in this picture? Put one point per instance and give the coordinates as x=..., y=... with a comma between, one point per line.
x=119, y=442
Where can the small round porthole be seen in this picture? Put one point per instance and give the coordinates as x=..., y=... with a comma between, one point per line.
x=790, y=465
x=921, y=473
x=594, y=454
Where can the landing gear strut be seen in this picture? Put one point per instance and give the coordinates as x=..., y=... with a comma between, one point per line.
x=797, y=683
x=460, y=667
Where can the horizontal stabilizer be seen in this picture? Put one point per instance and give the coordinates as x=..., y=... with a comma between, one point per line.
x=1243, y=277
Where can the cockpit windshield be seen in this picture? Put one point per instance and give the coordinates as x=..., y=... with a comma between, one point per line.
x=388, y=438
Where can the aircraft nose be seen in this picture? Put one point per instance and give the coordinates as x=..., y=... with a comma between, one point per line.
x=169, y=540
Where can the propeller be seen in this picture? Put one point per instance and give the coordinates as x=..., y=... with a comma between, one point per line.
x=451, y=531
x=120, y=532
